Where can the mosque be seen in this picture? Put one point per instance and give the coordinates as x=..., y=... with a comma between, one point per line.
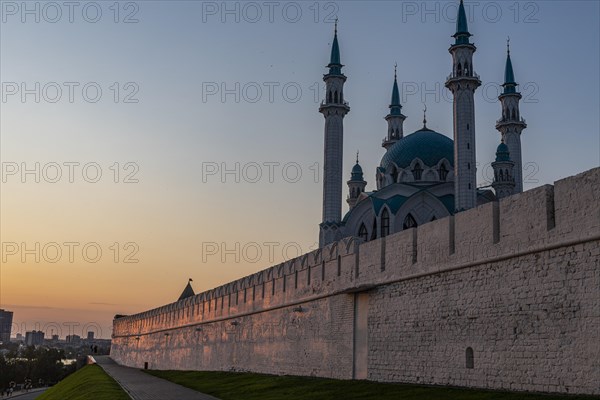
x=425, y=175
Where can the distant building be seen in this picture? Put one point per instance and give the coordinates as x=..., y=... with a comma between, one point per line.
x=73, y=339
x=6, y=318
x=55, y=338
x=34, y=338
x=90, y=336
x=19, y=337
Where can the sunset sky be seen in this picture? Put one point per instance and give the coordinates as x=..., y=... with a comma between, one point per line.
x=140, y=164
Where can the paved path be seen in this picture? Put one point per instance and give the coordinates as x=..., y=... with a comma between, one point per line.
x=142, y=386
x=26, y=396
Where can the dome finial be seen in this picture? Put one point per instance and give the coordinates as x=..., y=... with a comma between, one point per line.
x=425, y=116
x=336, y=24
x=508, y=46
x=357, y=152
x=396, y=71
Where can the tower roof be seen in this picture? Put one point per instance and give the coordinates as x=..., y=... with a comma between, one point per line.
x=357, y=172
x=502, y=153
x=395, y=106
x=335, y=64
x=509, y=75
x=187, y=292
x=462, y=30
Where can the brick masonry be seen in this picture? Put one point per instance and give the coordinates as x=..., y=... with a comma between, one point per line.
x=516, y=281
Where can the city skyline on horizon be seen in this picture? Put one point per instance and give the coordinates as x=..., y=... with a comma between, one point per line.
x=162, y=200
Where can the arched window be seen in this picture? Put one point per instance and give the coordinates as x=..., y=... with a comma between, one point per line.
x=501, y=176
x=443, y=172
x=394, y=174
x=470, y=358
x=409, y=222
x=374, y=233
x=459, y=70
x=385, y=223
x=417, y=172
x=335, y=97
x=362, y=232
x=330, y=97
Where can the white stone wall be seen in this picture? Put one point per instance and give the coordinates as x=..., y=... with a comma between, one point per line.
x=518, y=281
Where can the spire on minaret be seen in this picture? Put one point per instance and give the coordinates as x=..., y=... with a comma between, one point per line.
x=395, y=106
x=424, y=116
x=462, y=30
x=335, y=65
x=395, y=118
x=509, y=75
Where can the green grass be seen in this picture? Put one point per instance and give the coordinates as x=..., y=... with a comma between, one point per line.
x=90, y=382
x=246, y=386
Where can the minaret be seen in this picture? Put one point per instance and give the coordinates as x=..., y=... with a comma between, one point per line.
x=462, y=83
x=504, y=180
x=334, y=108
x=511, y=124
x=356, y=184
x=395, y=119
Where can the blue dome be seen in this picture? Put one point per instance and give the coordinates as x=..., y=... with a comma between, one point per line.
x=427, y=145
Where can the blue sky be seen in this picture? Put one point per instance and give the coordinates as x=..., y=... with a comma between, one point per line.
x=171, y=57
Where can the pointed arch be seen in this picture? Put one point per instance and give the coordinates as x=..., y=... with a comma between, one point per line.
x=409, y=222
x=363, y=233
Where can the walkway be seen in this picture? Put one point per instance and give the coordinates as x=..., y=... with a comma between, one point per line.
x=142, y=386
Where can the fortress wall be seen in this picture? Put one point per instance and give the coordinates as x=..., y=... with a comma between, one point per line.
x=532, y=321
x=517, y=280
x=313, y=340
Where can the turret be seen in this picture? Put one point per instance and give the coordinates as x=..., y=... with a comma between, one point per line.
x=504, y=180
x=356, y=184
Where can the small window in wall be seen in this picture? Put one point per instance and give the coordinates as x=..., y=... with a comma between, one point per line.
x=470, y=358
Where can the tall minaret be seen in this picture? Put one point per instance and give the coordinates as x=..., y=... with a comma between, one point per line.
x=334, y=108
x=395, y=119
x=511, y=124
x=462, y=83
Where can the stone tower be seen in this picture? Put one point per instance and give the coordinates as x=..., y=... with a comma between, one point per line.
x=462, y=83
x=333, y=108
x=504, y=180
x=511, y=124
x=356, y=184
x=395, y=119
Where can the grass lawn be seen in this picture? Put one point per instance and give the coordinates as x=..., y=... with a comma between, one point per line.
x=245, y=386
x=89, y=383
